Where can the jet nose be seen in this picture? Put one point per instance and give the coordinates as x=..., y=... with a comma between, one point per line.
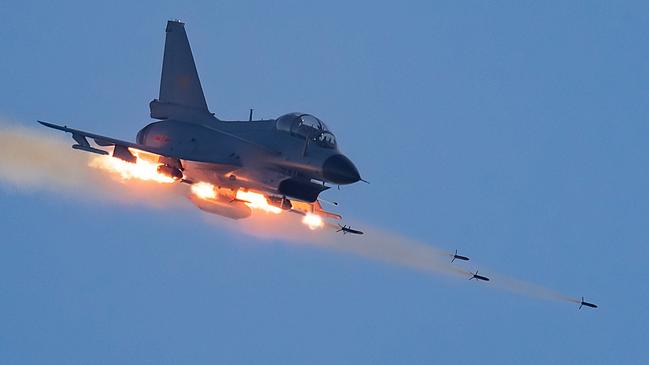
x=338, y=169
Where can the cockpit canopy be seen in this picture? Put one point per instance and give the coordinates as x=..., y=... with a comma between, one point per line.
x=306, y=126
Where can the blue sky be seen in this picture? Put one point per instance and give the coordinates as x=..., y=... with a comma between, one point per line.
x=515, y=131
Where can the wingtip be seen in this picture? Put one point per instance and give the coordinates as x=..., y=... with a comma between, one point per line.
x=52, y=125
x=46, y=124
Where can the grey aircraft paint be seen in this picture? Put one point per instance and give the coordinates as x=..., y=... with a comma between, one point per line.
x=293, y=156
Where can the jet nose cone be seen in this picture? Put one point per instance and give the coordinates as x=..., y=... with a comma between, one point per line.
x=338, y=169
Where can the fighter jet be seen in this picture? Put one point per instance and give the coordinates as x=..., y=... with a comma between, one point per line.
x=584, y=303
x=479, y=277
x=459, y=257
x=292, y=157
x=348, y=229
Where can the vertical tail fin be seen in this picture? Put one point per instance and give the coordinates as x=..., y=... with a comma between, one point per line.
x=181, y=94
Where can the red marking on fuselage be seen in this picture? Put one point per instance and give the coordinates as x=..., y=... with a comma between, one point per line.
x=161, y=138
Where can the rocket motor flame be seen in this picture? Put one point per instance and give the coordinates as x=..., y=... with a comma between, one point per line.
x=313, y=221
x=146, y=169
x=204, y=190
x=257, y=201
x=207, y=191
x=143, y=169
x=254, y=200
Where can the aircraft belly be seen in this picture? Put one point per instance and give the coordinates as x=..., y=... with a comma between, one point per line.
x=228, y=176
x=214, y=174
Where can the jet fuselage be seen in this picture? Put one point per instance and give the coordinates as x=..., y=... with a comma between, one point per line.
x=267, y=158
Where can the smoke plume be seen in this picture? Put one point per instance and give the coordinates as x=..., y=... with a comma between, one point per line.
x=34, y=159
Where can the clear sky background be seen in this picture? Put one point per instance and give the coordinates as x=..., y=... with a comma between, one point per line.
x=515, y=131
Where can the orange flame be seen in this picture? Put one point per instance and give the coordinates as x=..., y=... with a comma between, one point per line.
x=257, y=201
x=254, y=200
x=204, y=190
x=143, y=169
x=146, y=168
x=313, y=221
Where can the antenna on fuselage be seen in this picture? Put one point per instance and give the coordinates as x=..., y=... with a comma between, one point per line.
x=250, y=117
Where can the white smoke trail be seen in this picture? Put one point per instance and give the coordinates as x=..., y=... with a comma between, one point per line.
x=31, y=159
x=34, y=160
x=375, y=244
x=388, y=247
x=530, y=289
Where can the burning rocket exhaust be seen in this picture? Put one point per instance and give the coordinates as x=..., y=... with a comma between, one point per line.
x=144, y=168
x=233, y=204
